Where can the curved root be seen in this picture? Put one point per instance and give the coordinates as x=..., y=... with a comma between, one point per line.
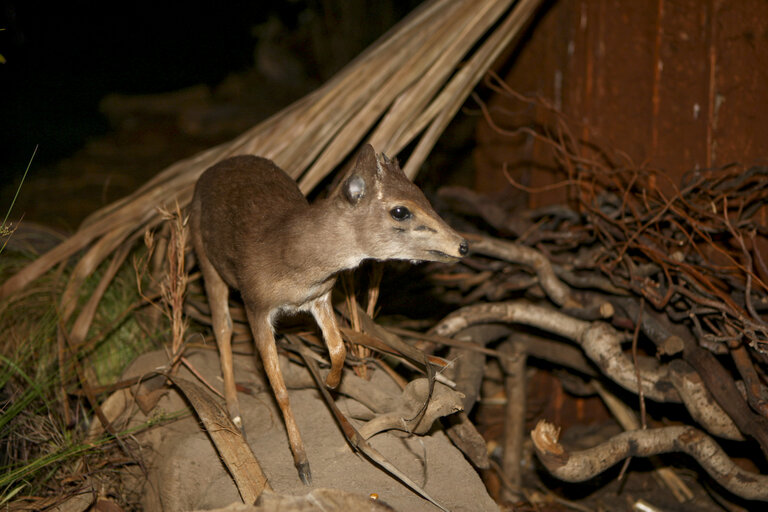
x=583, y=465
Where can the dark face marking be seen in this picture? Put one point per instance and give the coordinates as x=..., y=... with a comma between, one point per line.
x=425, y=228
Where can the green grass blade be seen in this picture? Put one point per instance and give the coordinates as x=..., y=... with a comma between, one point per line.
x=3, y=229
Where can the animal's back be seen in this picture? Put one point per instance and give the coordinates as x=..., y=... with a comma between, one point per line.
x=237, y=203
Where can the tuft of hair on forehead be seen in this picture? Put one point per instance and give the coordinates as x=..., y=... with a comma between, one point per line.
x=393, y=183
x=382, y=161
x=379, y=168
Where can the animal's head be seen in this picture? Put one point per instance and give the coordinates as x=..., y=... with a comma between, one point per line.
x=390, y=215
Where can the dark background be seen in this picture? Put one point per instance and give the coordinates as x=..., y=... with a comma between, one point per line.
x=63, y=58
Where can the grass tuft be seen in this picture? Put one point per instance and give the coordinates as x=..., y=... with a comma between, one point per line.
x=6, y=229
x=44, y=417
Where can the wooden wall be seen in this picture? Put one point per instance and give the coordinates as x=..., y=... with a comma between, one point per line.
x=675, y=85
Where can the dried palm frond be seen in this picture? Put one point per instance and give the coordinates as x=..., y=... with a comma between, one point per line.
x=408, y=83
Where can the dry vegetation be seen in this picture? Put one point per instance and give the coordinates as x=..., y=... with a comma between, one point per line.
x=644, y=292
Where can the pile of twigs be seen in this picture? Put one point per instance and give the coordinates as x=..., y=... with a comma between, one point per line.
x=675, y=269
x=691, y=252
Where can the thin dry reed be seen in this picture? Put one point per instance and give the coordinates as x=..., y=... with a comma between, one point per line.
x=404, y=85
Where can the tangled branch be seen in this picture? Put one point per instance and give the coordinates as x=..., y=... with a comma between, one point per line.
x=632, y=256
x=583, y=465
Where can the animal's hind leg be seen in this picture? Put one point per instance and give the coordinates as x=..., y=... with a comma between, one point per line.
x=265, y=343
x=218, y=297
x=323, y=312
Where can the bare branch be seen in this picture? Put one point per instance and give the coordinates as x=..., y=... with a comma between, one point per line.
x=583, y=465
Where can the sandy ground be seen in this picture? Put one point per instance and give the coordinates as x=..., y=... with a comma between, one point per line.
x=184, y=471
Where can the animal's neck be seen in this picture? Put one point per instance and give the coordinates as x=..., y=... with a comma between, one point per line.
x=324, y=238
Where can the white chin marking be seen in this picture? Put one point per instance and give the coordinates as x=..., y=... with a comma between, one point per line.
x=416, y=262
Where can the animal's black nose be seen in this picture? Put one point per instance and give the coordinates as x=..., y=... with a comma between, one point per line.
x=463, y=248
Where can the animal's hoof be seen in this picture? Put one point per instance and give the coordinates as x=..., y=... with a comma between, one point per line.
x=332, y=381
x=304, y=473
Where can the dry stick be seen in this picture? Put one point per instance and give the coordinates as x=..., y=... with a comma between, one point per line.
x=384, y=345
x=86, y=266
x=758, y=254
x=109, y=388
x=640, y=394
x=391, y=340
x=445, y=402
x=374, y=284
x=378, y=98
x=714, y=287
x=628, y=421
x=744, y=365
x=348, y=284
x=355, y=439
x=557, y=352
x=374, y=288
x=722, y=387
x=707, y=388
x=512, y=360
x=229, y=441
x=417, y=96
x=524, y=255
x=600, y=341
x=467, y=78
x=700, y=403
x=413, y=354
x=183, y=360
x=584, y=464
x=85, y=318
x=443, y=340
x=353, y=87
x=395, y=48
x=153, y=265
x=724, y=379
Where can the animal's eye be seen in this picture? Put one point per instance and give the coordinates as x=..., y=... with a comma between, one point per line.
x=400, y=213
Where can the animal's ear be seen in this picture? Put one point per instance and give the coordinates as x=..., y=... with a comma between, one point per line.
x=367, y=164
x=354, y=189
x=365, y=177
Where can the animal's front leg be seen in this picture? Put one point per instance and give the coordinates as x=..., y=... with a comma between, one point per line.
x=265, y=343
x=323, y=312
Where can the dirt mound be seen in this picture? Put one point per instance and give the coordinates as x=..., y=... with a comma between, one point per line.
x=184, y=471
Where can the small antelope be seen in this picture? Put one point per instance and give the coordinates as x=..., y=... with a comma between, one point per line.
x=254, y=231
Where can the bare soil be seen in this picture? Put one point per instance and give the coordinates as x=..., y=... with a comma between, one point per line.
x=184, y=471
